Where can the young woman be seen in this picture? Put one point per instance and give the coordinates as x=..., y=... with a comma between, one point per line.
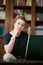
x=15, y=41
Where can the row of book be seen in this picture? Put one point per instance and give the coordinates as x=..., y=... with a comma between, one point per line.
x=2, y=8
x=1, y=30
x=27, y=2
x=39, y=16
x=38, y=30
x=21, y=12
x=39, y=2
x=23, y=2
x=2, y=2
x=2, y=15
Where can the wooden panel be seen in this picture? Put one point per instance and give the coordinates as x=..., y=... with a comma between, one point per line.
x=33, y=17
x=1, y=47
x=7, y=17
x=11, y=14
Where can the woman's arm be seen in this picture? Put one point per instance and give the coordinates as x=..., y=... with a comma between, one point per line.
x=8, y=48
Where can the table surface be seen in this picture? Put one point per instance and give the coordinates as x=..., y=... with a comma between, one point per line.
x=22, y=61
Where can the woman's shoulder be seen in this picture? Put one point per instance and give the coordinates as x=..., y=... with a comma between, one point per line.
x=7, y=34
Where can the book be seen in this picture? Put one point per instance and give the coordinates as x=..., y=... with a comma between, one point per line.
x=2, y=14
x=28, y=2
x=38, y=2
x=20, y=2
x=1, y=30
x=39, y=16
x=27, y=16
x=41, y=2
x=2, y=8
x=24, y=2
x=15, y=2
x=1, y=2
x=18, y=12
x=4, y=2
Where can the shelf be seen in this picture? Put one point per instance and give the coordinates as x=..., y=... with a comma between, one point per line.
x=2, y=7
x=39, y=9
x=39, y=23
x=2, y=21
x=22, y=7
x=29, y=22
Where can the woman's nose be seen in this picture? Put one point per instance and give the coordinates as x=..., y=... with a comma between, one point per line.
x=20, y=26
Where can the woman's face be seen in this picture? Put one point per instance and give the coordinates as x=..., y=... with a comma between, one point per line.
x=19, y=24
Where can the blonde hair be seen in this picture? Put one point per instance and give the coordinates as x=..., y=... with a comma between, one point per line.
x=19, y=17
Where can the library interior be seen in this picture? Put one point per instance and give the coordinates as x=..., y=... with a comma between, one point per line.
x=32, y=10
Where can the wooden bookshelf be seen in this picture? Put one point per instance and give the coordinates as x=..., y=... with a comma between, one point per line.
x=32, y=9
x=12, y=8
x=5, y=8
x=22, y=7
x=39, y=9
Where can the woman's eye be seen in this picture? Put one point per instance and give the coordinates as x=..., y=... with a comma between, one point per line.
x=21, y=24
x=18, y=23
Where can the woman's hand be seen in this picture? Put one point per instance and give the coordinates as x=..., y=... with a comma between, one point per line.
x=16, y=32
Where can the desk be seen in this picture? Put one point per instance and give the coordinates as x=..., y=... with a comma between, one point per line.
x=21, y=62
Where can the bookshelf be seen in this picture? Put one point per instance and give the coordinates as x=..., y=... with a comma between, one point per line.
x=4, y=17
x=33, y=9
x=39, y=16
x=24, y=7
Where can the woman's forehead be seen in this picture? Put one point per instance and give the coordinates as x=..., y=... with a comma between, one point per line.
x=20, y=20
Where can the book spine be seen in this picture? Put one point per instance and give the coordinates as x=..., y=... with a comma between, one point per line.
x=20, y=2
x=1, y=30
x=1, y=2
x=41, y=2
x=38, y=2
x=39, y=17
x=28, y=2
x=24, y=2
x=15, y=2
x=4, y=2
